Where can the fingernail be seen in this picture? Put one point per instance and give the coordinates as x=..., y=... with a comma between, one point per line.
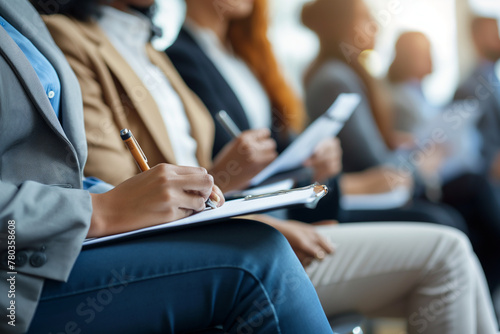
x=320, y=255
x=214, y=197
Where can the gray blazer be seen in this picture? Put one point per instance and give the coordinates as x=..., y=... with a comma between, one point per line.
x=41, y=169
x=361, y=140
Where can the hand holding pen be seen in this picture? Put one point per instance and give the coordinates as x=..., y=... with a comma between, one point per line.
x=214, y=200
x=244, y=157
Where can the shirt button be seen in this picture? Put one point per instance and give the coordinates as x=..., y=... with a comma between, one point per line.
x=51, y=94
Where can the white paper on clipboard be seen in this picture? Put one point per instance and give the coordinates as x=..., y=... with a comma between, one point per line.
x=307, y=196
x=326, y=126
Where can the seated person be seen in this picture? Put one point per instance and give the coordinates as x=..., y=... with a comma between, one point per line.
x=459, y=168
x=336, y=70
x=368, y=137
x=483, y=86
x=411, y=65
x=416, y=116
x=349, y=280
x=177, y=282
x=233, y=71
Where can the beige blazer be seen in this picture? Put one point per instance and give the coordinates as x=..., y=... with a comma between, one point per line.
x=114, y=98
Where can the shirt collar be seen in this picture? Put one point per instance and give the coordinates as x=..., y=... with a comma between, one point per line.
x=206, y=37
x=132, y=27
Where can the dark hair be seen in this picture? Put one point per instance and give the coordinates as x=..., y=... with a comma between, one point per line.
x=82, y=10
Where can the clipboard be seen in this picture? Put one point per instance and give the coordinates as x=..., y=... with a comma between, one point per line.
x=307, y=196
x=318, y=191
x=326, y=126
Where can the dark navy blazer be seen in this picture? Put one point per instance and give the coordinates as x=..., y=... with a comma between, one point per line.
x=205, y=80
x=201, y=75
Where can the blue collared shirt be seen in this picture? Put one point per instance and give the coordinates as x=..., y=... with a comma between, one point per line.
x=45, y=71
x=52, y=86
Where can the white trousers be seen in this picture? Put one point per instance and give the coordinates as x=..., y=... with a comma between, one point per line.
x=427, y=274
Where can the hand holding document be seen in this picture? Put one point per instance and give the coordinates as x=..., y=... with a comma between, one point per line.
x=326, y=126
x=307, y=196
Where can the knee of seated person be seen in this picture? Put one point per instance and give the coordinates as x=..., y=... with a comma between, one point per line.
x=263, y=233
x=271, y=247
x=459, y=237
x=458, y=246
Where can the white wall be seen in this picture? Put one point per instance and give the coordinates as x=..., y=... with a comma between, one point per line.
x=295, y=46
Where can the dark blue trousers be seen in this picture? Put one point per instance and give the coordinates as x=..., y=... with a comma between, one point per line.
x=240, y=275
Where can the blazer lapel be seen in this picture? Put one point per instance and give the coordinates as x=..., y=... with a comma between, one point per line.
x=233, y=105
x=28, y=77
x=142, y=100
x=202, y=127
x=36, y=31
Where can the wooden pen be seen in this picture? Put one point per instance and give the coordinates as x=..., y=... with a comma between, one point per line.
x=134, y=148
x=142, y=162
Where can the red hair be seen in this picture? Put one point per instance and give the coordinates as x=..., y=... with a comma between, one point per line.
x=248, y=37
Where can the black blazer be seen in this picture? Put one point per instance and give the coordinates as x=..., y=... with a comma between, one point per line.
x=201, y=75
x=205, y=80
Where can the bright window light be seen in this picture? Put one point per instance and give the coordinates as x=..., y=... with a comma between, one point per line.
x=296, y=46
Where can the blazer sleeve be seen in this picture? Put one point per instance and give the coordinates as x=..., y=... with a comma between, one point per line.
x=361, y=141
x=102, y=125
x=48, y=222
x=44, y=224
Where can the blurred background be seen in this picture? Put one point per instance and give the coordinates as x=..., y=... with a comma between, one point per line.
x=445, y=22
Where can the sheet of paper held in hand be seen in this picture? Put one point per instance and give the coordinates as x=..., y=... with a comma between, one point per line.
x=307, y=196
x=326, y=126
